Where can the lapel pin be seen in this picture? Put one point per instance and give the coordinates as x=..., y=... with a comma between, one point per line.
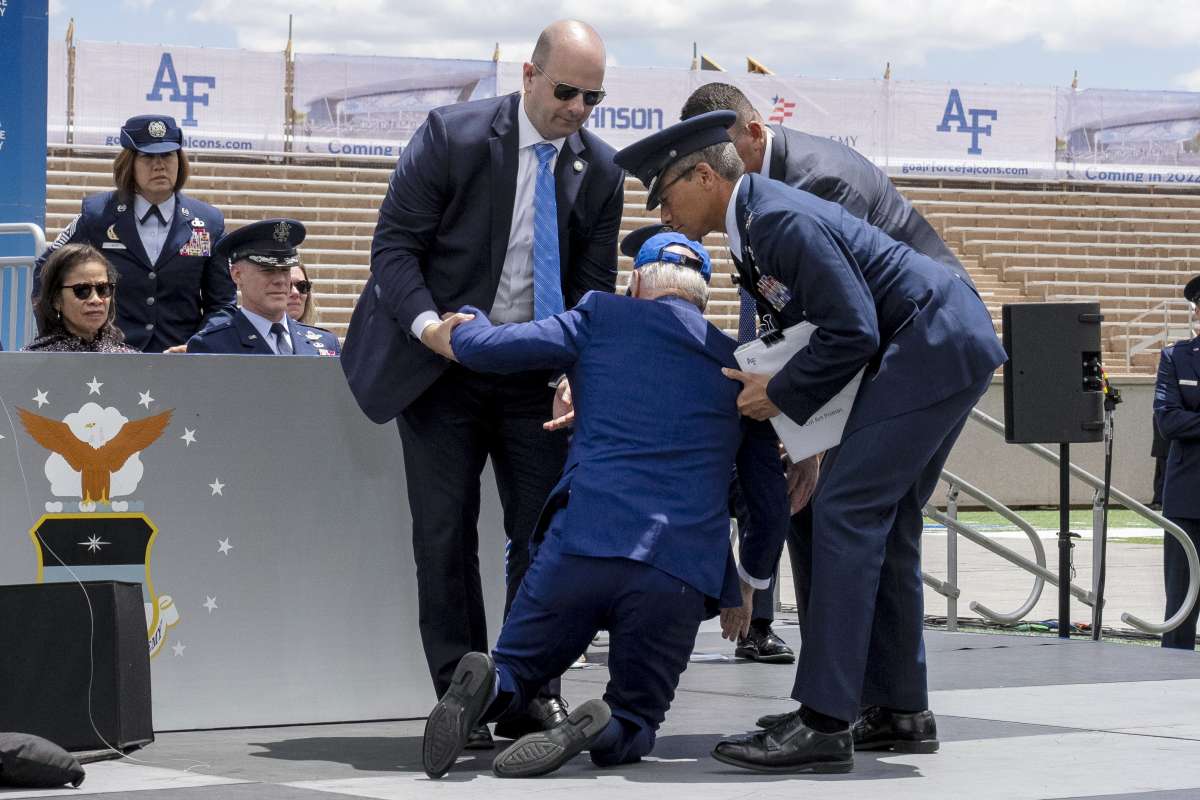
x=577, y=166
x=121, y=208
x=253, y=336
x=185, y=212
x=111, y=233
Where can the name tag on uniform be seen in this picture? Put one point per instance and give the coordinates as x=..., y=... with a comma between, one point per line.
x=198, y=245
x=112, y=246
x=1187, y=383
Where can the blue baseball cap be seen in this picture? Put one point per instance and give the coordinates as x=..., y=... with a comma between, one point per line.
x=151, y=133
x=649, y=158
x=655, y=250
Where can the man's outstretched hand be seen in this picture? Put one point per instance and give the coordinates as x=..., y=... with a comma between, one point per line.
x=753, y=401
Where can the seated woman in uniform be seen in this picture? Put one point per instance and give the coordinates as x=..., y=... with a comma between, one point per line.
x=75, y=305
x=158, y=239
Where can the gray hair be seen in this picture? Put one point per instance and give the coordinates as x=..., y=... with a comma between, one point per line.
x=722, y=157
x=685, y=280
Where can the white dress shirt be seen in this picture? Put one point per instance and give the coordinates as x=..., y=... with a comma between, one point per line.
x=152, y=232
x=263, y=326
x=514, y=293
x=765, y=169
x=732, y=237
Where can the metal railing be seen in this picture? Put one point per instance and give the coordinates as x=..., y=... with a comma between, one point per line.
x=1159, y=338
x=16, y=282
x=954, y=528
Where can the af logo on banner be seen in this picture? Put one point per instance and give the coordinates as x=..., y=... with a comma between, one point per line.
x=955, y=113
x=166, y=78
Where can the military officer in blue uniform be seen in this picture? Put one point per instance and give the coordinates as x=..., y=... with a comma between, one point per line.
x=159, y=239
x=928, y=344
x=260, y=257
x=1177, y=416
x=634, y=538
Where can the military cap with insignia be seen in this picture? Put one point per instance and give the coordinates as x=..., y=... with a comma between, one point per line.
x=651, y=244
x=1191, y=292
x=151, y=134
x=270, y=244
x=649, y=158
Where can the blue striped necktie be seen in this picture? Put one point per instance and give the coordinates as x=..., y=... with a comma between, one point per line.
x=747, y=317
x=547, y=277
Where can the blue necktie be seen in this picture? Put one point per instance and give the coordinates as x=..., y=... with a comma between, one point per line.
x=747, y=317
x=547, y=277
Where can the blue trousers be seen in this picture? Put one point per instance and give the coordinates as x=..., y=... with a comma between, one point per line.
x=1175, y=574
x=652, y=619
x=863, y=634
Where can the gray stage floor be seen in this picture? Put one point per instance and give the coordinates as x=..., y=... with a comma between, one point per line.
x=1019, y=717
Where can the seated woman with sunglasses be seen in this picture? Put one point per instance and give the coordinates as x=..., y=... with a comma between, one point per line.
x=75, y=305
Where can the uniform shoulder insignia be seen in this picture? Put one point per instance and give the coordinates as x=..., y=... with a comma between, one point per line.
x=66, y=234
x=216, y=325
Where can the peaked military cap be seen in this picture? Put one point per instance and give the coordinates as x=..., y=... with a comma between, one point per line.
x=1191, y=292
x=151, y=133
x=270, y=243
x=649, y=158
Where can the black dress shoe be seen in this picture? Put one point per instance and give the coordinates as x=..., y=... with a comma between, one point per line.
x=545, y=751
x=790, y=746
x=542, y=714
x=768, y=721
x=880, y=728
x=480, y=738
x=761, y=644
x=457, y=714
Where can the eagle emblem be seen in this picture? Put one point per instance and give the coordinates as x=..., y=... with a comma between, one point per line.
x=94, y=458
x=283, y=232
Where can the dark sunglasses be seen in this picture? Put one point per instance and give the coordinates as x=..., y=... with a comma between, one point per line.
x=303, y=287
x=565, y=91
x=83, y=291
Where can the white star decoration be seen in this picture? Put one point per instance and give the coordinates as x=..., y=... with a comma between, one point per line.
x=40, y=398
x=94, y=386
x=223, y=546
x=93, y=544
x=178, y=648
x=210, y=603
x=189, y=436
x=145, y=399
x=217, y=486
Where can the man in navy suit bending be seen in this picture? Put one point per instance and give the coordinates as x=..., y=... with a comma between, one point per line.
x=635, y=537
x=507, y=205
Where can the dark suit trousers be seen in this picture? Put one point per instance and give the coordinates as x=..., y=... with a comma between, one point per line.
x=448, y=434
x=863, y=632
x=1175, y=573
x=799, y=545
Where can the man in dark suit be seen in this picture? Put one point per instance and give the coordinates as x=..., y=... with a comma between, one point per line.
x=928, y=344
x=507, y=205
x=635, y=536
x=260, y=258
x=1177, y=417
x=839, y=174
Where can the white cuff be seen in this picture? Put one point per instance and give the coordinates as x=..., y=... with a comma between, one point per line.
x=756, y=583
x=424, y=320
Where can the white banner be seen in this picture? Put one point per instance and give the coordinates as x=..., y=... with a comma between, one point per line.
x=371, y=105
x=222, y=99
x=56, y=92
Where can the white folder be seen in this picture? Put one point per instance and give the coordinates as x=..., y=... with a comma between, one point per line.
x=824, y=428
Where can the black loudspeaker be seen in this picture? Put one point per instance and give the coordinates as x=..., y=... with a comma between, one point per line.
x=45, y=635
x=1053, y=391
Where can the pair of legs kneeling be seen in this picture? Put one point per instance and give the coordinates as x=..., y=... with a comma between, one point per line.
x=652, y=619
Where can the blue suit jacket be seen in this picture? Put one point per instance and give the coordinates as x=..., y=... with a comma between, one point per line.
x=840, y=174
x=921, y=329
x=443, y=234
x=1177, y=416
x=187, y=285
x=237, y=335
x=656, y=435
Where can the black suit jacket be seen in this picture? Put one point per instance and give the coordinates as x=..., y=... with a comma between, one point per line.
x=443, y=234
x=842, y=175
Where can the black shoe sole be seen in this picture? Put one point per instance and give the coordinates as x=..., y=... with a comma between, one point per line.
x=901, y=746
x=450, y=723
x=543, y=752
x=816, y=767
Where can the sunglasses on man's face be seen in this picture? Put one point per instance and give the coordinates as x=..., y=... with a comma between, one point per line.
x=303, y=287
x=565, y=91
x=83, y=291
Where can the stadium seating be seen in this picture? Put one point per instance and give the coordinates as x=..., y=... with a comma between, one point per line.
x=1129, y=248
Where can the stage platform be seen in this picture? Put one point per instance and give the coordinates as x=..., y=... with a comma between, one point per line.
x=1019, y=717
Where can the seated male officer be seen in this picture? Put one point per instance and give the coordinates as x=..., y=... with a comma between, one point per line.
x=634, y=539
x=261, y=256
x=927, y=342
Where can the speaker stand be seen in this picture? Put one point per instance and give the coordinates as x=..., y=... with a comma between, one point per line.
x=1064, y=540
